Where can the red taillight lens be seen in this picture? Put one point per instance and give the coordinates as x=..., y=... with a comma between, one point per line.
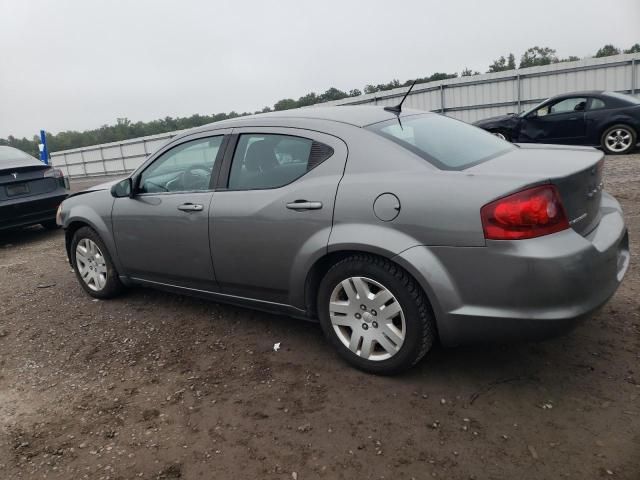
x=54, y=173
x=530, y=213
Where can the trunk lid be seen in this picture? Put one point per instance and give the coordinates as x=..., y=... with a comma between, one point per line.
x=24, y=181
x=577, y=172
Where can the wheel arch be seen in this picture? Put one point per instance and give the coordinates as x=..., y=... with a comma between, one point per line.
x=626, y=121
x=322, y=265
x=85, y=217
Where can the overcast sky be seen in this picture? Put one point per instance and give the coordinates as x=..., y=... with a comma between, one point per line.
x=79, y=64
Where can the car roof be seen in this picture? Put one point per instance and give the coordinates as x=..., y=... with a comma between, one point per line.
x=356, y=115
x=586, y=93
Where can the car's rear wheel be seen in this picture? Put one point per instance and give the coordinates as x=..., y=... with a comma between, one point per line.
x=375, y=314
x=618, y=140
x=93, y=265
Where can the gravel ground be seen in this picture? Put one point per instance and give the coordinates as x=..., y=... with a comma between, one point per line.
x=158, y=386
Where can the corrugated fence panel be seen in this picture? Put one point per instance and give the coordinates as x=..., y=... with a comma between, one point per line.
x=465, y=98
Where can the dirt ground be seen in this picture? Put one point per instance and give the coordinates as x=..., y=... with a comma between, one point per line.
x=159, y=386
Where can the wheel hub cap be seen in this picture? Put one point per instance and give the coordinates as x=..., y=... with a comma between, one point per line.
x=619, y=140
x=91, y=264
x=367, y=318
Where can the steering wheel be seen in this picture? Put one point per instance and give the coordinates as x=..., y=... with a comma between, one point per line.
x=196, y=181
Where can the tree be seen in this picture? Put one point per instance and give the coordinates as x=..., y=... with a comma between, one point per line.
x=634, y=49
x=370, y=89
x=355, y=93
x=570, y=58
x=467, y=72
x=536, y=56
x=502, y=64
x=607, y=51
x=333, y=94
x=285, y=104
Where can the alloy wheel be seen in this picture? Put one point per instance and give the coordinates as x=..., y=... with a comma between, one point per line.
x=618, y=140
x=367, y=318
x=91, y=264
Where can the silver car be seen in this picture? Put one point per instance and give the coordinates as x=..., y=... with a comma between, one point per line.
x=392, y=229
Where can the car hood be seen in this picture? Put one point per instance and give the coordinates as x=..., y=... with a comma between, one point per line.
x=496, y=119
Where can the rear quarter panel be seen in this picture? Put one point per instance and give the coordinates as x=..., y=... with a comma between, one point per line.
x=599, y=120
x=436, y=207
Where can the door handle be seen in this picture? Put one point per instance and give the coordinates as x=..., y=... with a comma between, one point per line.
x=304, y=205
x=191, y=207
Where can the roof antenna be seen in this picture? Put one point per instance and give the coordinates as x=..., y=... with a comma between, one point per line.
x=398, y=108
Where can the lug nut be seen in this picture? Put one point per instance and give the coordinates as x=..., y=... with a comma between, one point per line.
x=365, y=326
x=362, y=307
x=358, y=316
x=374, y=313
x=375, y=324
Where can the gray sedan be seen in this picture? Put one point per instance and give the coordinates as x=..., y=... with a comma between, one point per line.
x=393, y=229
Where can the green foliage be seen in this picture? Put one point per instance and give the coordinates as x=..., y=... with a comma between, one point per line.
x=607, y=51
x=467, y=72
x=502, y=64
x=536, y=56
x=634, y=49
x=570, y=58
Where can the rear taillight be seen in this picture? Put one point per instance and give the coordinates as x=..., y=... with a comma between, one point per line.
x=53, y=173
x=530, y=213
x=58, y=175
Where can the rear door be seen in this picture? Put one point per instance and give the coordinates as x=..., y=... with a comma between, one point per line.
x=274, y=208
x=559, y=122
x=162, y=233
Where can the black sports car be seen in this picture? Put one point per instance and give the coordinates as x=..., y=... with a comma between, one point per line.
x=30, y=191
x=608, y=120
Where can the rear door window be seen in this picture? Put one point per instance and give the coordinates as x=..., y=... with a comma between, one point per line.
x=446, y=143
x=271, y=160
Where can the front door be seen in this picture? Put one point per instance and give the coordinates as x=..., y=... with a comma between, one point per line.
x=162, y=233
x=560, y=122
x=275, y=209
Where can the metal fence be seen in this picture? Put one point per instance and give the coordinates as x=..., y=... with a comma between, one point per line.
x=465, y=98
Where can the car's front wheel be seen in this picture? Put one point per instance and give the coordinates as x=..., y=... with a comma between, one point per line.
x=93, y=265
x=618, y=140
x=375, y=314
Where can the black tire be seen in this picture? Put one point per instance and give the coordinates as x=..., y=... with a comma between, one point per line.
x=50, y=225
x=420, y=332
x=113, y=286
x=625, y=128
x=502, y=134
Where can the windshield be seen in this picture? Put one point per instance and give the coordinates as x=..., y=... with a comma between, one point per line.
x=446, y=143
x=527, y=112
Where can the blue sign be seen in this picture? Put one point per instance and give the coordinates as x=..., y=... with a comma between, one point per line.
x=44, y=151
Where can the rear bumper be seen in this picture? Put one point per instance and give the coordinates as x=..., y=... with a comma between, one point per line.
x=526, y=289
x=30, y=210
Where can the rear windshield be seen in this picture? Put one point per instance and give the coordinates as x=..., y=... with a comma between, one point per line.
x=626, y=98
x=10, y=155
x=446, y=143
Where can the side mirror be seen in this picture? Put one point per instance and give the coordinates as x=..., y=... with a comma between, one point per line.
x=124, y=188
